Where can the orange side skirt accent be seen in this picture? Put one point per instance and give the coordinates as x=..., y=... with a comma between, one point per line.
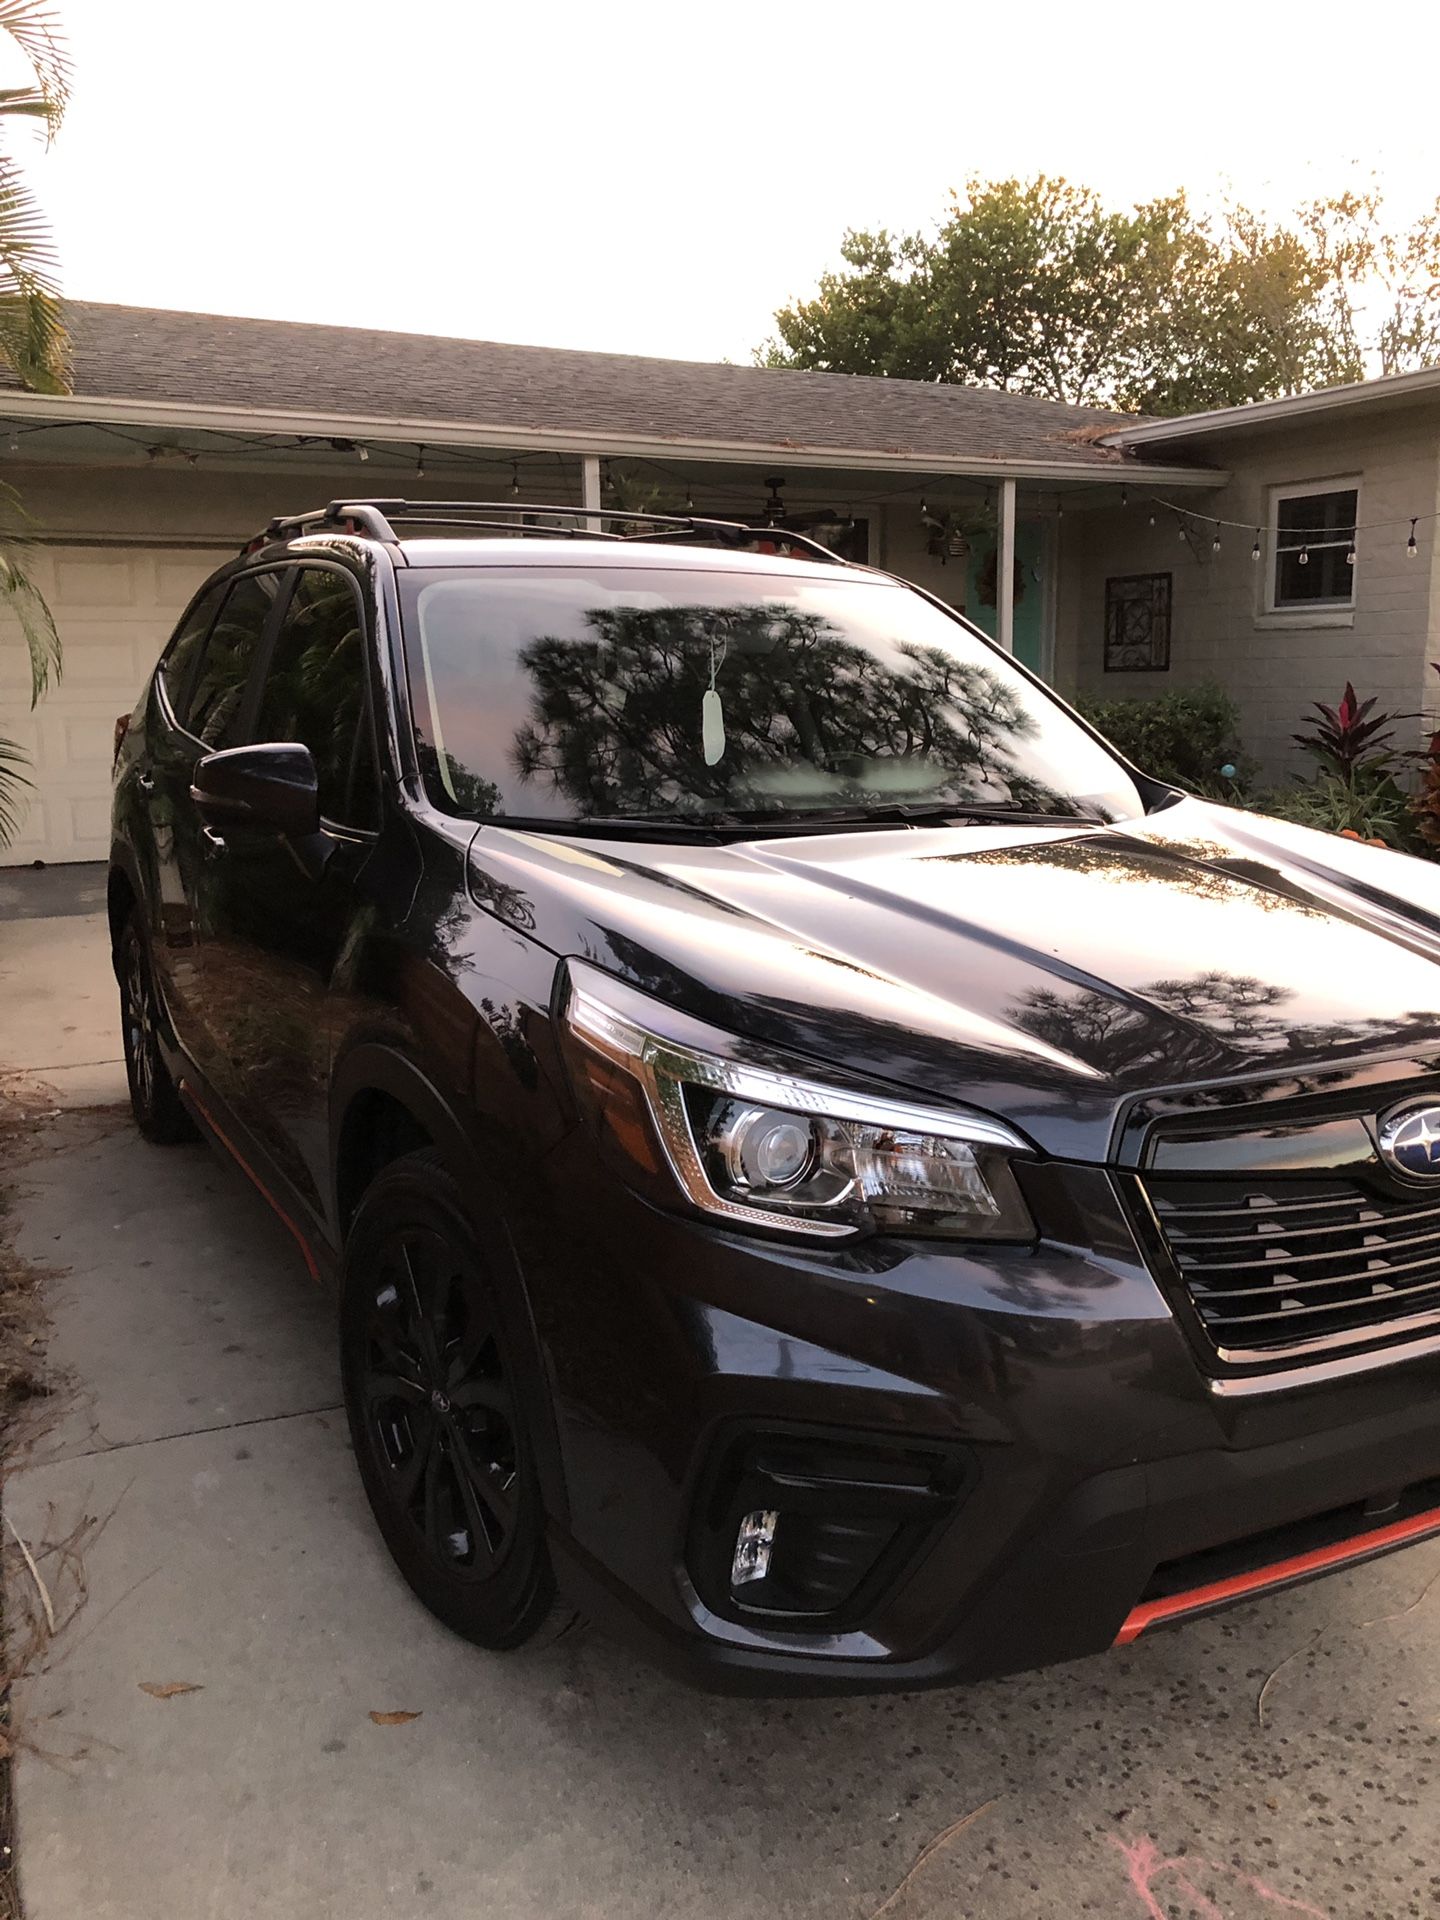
x=245, y=1167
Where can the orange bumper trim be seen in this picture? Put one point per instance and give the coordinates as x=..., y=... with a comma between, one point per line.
x=1360, y=1546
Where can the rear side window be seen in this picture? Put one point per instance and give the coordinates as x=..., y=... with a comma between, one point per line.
x=315, y=692
x=216, y=712
x=184, y=649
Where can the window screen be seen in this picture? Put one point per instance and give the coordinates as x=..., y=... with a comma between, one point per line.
x=1315, y=548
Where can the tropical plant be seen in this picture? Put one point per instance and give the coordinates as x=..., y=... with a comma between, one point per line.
x=32, y=342
x=1189, y=736
x=1350, y=740
x=1372, y=806
x=1425, y=802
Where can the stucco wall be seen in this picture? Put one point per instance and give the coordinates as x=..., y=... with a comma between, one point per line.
x=1275, y=663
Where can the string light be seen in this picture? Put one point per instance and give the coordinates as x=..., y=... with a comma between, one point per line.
x=14, y=440
x=363, y=452
x=420, y=463
x=1124, y=496
x=1255, y=550
x=514, y=479
x=1350, y=554
x=1215, y=543
x=924, y=508
x=1152, y=516
x=1410, y=546
x=689, y=500
x=1304, y=557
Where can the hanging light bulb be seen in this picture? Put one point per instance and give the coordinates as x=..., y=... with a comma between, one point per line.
x=1350, y=554
x=1410, y=546
x=420, y=463
x=689, y=500
x=1183, y=530
x=14, y=440
x=1304, y=559
x=1215, y=543
x=514, y=479
x=1124, y=496
x=1255, y=550
x=364, y=452
x=924, y=508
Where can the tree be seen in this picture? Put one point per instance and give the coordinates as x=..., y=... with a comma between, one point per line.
x=32, y=343
x=1037, y=287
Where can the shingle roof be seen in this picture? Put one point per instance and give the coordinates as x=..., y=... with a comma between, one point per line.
x=147, y=354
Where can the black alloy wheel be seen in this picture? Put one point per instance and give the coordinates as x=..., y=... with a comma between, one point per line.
x=434, y=1417
x=154, y=1100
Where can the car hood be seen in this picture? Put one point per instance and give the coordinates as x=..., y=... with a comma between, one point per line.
x=1048, y=975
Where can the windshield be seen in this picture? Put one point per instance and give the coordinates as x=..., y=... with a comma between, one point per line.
x=635, y=694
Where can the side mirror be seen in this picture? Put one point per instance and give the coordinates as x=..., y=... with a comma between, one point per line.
x=272, y=786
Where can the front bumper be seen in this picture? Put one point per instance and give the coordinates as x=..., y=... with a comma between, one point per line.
x=1071, y=1461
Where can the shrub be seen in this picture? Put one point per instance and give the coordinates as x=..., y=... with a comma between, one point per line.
x=1372, y=806
x=1188, y=736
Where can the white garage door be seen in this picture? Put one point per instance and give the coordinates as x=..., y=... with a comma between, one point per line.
x=115, y=608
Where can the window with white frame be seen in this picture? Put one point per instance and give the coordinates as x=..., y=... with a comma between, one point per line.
x=1312, y=540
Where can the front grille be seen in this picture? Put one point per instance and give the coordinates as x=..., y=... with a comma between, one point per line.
x=1297, y=1262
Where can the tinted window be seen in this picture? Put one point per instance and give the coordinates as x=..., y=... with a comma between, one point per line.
x=561, y=693
x=181, y=654
x=315, y=691
x=217, y=704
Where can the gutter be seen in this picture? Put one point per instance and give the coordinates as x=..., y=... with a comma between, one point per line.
x=81, y=410
x=1392, y=387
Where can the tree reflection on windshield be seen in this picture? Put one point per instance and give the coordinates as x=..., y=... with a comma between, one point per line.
x=810, y=717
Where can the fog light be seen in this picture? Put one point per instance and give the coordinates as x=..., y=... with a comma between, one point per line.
x=752, y=1547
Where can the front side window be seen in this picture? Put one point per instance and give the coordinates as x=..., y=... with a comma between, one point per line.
x=1314, y=547
x=216, y=708
x=184, y=649
x=554, y=694
x=315, y=691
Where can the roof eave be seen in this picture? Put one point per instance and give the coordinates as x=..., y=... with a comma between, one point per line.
x=1261, y=413
x=379, y=428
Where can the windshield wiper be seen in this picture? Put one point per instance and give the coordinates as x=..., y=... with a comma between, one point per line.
x=888, y=813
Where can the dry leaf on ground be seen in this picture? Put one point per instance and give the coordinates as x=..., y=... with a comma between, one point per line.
x=393, y=1719
x=167, y=1689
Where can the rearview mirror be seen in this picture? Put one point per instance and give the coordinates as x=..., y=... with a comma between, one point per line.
x=265, y=786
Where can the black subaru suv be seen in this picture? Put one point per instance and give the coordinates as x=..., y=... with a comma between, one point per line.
x=822, y=1163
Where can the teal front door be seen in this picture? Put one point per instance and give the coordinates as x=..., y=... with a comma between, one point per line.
x=980, y=572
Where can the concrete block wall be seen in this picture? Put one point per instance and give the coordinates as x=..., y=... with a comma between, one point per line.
x=1275, y=663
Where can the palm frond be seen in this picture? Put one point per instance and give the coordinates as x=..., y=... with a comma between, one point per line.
x=11, y=781
x=33, y=339
x=35, y=28
x=19, y=593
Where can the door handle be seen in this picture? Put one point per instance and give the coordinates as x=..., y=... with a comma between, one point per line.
x=213, y=846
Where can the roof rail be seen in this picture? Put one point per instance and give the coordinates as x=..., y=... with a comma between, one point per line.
x=376, y=520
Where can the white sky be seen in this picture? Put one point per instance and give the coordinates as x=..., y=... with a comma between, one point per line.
x=658, y=180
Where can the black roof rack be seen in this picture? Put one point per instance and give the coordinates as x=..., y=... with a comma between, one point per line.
x=377, y=519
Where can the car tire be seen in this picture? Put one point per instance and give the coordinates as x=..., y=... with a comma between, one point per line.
x=154, y=1099
x=435, y=1418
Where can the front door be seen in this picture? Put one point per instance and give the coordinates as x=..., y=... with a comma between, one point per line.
x=280, y=909
x=1029, y=588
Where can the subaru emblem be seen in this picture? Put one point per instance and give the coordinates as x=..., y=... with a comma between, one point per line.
x=1409, y=1140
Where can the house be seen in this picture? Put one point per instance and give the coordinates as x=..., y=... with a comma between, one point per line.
x=187, y=432
x=1313, y=563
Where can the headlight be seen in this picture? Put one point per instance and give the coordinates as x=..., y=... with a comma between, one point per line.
x=759, y=1145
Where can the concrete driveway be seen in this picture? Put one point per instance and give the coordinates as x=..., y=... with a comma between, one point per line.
x=203, y=1472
